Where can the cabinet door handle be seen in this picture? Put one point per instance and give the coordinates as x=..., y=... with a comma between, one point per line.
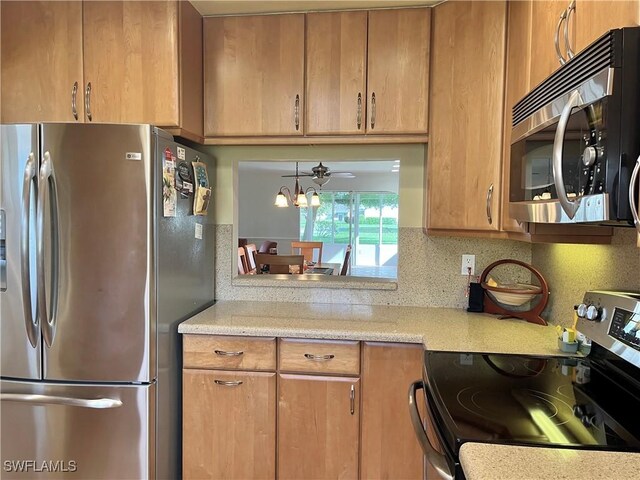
x=373, y=110
x=489, y=197
x=319, y=358
x=222, y=353
x=296, y=112
x=567, y=40
x=225, y=383
x=352, y=399
x=74, y=94
x=556, y=40
x=359, y=114
x=632, y=195
x=87, y=101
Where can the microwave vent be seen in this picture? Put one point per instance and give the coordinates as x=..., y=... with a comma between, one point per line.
x=593, y=59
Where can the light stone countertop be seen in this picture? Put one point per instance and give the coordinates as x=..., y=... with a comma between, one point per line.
x=438, y=329
x=482, y=461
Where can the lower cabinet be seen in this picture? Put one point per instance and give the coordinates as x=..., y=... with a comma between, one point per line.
x=229, y=424
x=318, y=426
x=389, y=448
x=327, y=409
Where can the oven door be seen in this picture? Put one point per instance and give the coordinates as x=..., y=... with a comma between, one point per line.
x=444, y=465
x=558, y=169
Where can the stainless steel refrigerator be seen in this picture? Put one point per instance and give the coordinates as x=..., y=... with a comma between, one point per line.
x=94, y=279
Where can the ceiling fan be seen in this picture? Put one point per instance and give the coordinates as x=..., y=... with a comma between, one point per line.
x=321, y=174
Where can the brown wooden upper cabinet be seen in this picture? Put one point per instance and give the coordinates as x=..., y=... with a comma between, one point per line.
x=120, y=61
x=392, y=53
x=336, y=70
x=465, y=139
x=581, y=25
x=398, y=71
x=595, y=17
x=254, y=75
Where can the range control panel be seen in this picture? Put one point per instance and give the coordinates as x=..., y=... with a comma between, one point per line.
x=625, y=326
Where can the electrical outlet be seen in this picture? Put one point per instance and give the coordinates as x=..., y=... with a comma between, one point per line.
x=468, y=261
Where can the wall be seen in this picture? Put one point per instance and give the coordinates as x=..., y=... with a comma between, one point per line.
x=428, y=267
x=573, y=269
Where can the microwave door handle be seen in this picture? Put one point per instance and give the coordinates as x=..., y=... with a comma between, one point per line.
x=434, y=457
x=29, y=179
x=47, y=191
x=569, y=207
x=632, y=194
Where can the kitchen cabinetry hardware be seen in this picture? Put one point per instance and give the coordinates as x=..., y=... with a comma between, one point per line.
x=373, y=110
x=319, y=358
x=57, y=400
x=570, y=207
x=352, y=399
x=222, y=353
x=87, y=101
x=567, y=40
x=632, y=195
x=359, y=115
x=297, y=112
x=435, y=458
x=74, y=94
x=47, y=192
x=228, y=383
x=489, y=198
x=25, y=267
x=556, y=41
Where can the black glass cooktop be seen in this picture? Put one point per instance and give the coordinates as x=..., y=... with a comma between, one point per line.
x=544, y=401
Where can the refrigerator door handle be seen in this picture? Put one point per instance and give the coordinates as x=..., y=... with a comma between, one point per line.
x=47, y=190
x=57, y=400
x=31, y=322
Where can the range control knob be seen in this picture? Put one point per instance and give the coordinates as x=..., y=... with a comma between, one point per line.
x=578, y=411
x=588, y=420
x=593, y=313
x=590, y=155
x=581, y=310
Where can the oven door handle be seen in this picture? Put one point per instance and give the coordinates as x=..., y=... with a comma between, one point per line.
x=434, y=457
x=570, y=207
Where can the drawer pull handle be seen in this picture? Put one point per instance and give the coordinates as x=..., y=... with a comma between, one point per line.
x=318, y=358
x=224, y=383
x=352, y=399
x=222, y=353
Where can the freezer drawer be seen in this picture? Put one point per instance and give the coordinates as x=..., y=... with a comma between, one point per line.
x=77, y=431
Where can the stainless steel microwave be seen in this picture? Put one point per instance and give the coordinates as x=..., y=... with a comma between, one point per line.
x=575, y=141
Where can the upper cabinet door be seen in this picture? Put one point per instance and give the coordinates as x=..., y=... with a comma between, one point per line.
x=398, y=71
x=254, y=75
x=594, y=18
x=544, y=60
x=131, y=62
x=465, y=141
x=41, y=61
x=517, y=86
x=336, y=55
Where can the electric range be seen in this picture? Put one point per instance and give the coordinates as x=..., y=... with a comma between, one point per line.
x=560, y=402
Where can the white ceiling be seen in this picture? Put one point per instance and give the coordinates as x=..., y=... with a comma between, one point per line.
x=235, y=7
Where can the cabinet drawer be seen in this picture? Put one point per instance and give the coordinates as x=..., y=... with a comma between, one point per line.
x=229, y=353
x=319, y=356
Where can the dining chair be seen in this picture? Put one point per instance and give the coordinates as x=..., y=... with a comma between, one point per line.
x=307, y=249
x=279, y=263
x=243, y=268
x=345, y=265
x=251, y=251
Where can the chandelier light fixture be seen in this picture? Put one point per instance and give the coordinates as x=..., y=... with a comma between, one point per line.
x=299, y=196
